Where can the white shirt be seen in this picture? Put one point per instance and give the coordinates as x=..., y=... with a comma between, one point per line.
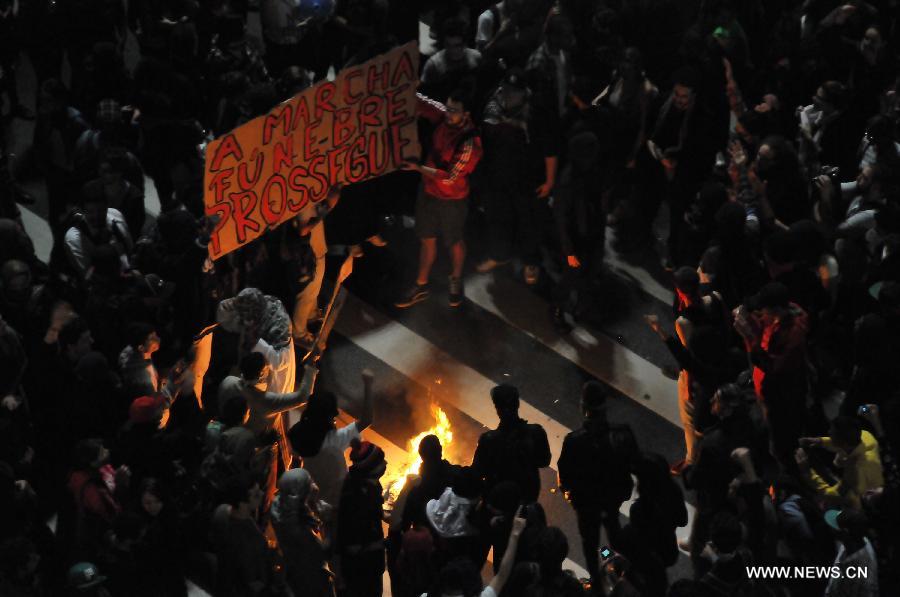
x=283, y=375
x=437, y=66
x=329, y=467
x=847, y=586
x=487, y=28
x=79, y=247
x=870, y=154
x=317, y=240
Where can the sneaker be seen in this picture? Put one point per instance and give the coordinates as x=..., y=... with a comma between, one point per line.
x=489, y=265
x=531, y=274
x=455, y=292
x=416, y=294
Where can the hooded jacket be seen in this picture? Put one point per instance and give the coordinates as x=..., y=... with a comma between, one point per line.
x=299, y=535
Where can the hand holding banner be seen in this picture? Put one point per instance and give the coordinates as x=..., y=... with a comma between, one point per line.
x=359, y=126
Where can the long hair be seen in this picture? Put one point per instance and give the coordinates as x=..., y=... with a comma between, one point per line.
x=306, y=437
x=655, y=484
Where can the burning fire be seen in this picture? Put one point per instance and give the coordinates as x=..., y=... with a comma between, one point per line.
x=441, y=429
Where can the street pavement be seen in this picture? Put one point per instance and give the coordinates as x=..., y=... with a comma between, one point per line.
x=432, y=354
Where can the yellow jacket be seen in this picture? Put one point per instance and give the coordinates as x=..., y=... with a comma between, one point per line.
x=861, y=471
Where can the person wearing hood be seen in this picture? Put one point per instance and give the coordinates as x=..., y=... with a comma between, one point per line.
x=300, y=536
x=452, y=519
x=360, y=514
x=595, y=473
x=264, y=327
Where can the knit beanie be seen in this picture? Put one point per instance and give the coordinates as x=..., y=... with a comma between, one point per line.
x=365, y=457
x=145, y=409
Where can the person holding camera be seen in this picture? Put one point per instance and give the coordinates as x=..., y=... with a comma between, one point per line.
x=856, y=456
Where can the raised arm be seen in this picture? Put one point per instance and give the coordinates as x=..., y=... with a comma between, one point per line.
x=368, y=410
x=509, y=557
x=278, y=403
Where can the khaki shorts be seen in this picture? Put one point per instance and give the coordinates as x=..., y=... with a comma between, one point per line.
x=441, y=217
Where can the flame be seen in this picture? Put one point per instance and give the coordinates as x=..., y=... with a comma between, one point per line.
x=441, y=429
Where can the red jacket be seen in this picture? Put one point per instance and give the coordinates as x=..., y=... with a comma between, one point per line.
x=781, y=349
x=94, y=495
x=455, y=151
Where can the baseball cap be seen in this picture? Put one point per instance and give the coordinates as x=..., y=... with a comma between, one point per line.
x=846, y=519
x=84, y=575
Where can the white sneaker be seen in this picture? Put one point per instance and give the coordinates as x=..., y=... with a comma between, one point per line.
x=489, y=265
x=531, y=274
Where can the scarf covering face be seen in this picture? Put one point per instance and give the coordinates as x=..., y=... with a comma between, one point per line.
x=290, y=506
x=497, y=113
x=251, y=307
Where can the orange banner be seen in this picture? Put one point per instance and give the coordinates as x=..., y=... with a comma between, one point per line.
x=359, y=126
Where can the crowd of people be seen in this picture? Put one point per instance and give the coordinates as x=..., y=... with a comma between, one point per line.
x=149, y=426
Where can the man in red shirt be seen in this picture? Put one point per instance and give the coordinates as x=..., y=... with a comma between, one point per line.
x=442, y=204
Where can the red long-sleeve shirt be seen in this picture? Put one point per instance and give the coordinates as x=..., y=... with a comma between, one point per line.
x=454, y=153
x=95, y=495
